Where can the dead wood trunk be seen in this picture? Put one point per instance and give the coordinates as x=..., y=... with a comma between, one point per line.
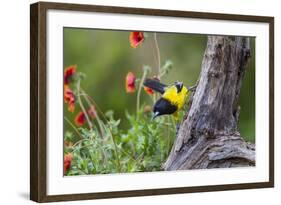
x=208, y=136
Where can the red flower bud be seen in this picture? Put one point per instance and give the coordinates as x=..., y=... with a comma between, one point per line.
x=92, y=111
x=80, y=119
x=136, y=38
x=68, y=73
x=67, y=162
x=130, y=83
x=148, y=90
x=69, y=98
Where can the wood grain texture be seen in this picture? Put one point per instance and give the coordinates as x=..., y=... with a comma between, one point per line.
x=33, y=103
x=209, y=136
x=38, y=106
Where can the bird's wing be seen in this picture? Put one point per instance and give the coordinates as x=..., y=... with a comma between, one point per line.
x=155, y=85
x=164, y=106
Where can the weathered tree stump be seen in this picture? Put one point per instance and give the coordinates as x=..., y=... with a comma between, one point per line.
x=208, y=136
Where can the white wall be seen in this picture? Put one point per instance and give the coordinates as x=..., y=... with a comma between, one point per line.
x=14, y=103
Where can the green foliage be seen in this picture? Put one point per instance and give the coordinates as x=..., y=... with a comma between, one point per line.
x=143, y=147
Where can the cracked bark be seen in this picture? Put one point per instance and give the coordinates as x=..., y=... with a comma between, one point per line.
x=208, y=136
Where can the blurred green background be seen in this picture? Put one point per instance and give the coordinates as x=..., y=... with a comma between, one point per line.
x=106, y=57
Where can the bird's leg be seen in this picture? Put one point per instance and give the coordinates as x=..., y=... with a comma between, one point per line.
x=193, y=88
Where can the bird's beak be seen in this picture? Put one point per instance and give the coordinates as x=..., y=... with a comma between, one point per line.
x=155, y=114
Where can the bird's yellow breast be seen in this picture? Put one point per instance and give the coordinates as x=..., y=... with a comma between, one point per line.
x=176, y=98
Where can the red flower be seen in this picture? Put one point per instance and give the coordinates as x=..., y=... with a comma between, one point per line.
x=69, y=98
x=130, y=82
x=136, y=38
x=67, y=162
x=148, y=90
x=80, y=119
x=92, y=111
x=68, y=73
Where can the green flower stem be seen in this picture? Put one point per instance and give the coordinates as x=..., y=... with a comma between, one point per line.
x=128, y=155
x=88, y=145
x=154, y=98
x=82, y=107
x=102, y=128
x=75, y=129
x=139, y=90
x=116, y=151
x=152, y=45
x=97, y=116
x=91, y=100
x=78, y=142
x=105, y=159
x=158, y=55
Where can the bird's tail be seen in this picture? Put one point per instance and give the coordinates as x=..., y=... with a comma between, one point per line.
x=155, y=85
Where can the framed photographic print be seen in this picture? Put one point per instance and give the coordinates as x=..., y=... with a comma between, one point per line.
x=134, y=102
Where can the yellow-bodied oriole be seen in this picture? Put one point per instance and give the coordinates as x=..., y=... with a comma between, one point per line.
x=172, y=100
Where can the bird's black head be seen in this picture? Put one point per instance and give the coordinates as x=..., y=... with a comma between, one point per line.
x=179, y=86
